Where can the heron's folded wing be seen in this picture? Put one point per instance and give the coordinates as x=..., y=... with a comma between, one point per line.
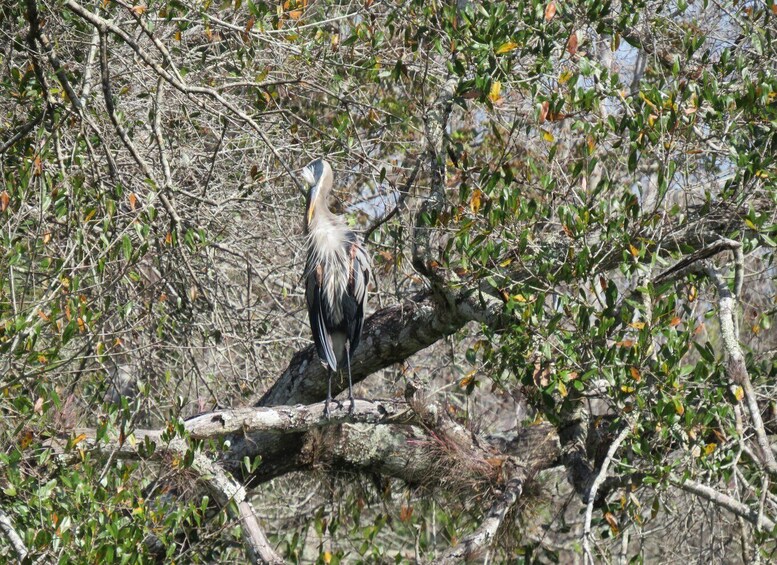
x=357, y=289
x=315, y=299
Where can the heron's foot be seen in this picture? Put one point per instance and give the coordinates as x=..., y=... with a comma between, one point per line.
x=352, y=406
x=327, y=412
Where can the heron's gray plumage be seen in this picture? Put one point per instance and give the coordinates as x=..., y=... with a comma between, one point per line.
x=337, y=272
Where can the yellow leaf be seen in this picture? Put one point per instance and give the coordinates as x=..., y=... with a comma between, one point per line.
x=693, y=294
x=468, y=378
x=675, y=321
x=78, y=439
x=637, y=325
x=133, y=200
x=562, y=390
x=635, y=374
x=138, y=10
x=476, y=200
x=679, y=408
x=547, y=136
x=4, y=200
x=496, y=88
x=506, y=47
x=295, y=14
x=634, y=251
x=627, y=389
x=739, y=393
x=564, y=77
x=327, y=557
x=646, y=101
x=709, y=448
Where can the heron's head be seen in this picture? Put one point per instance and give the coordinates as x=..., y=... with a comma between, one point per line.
x=318, y=175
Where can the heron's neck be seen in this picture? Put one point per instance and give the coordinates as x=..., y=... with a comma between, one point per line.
x=324, y=216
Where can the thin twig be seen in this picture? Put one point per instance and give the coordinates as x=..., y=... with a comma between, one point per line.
x=724, y=501
x=180, y=85
x=403, y=194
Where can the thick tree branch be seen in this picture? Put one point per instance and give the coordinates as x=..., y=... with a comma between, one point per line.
x=282, y=419
x=390, y=335
x=230, y=494
x=737, y=369
x=598, y=481
x=16, y=541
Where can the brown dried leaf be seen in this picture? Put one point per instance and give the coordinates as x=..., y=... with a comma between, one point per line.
x=572, y=44
x=612, y=521
x=544, y=111
x=405, y=513
x=550, y=11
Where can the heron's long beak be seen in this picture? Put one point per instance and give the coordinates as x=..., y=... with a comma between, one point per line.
x=310, y=211
x=313, y=197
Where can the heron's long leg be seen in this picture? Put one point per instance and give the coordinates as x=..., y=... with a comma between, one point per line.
x=328, y=393
x=350, y=383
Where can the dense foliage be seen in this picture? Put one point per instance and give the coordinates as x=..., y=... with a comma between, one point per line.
x=571, y=209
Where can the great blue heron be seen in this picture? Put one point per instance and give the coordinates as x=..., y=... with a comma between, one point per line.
x=337, y=272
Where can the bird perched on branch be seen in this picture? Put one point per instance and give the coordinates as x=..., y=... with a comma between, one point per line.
x=336, y=275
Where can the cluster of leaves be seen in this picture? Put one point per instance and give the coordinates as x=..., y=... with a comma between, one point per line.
x=583, y=137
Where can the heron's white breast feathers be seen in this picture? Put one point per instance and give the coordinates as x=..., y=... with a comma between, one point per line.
x=328, y=246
